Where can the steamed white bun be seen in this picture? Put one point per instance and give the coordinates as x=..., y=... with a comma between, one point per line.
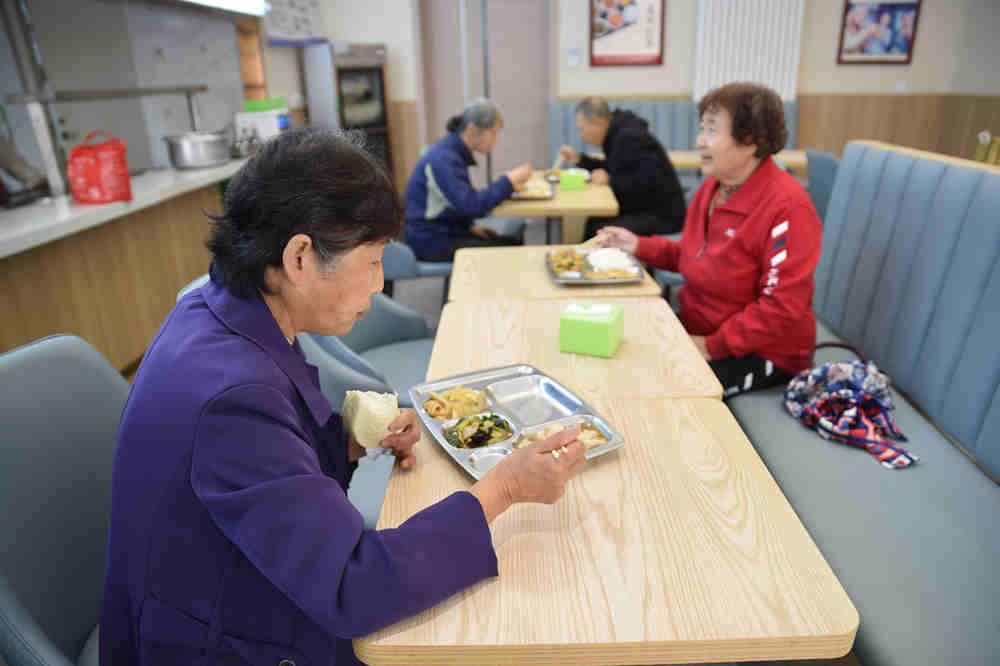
x=367, y=415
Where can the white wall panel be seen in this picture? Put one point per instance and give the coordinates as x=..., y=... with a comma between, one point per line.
x=748, y=40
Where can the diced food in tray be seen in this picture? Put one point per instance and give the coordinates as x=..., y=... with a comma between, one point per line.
x=475, y=431
x=593, y=264
x=455, y=403
x=590, y=435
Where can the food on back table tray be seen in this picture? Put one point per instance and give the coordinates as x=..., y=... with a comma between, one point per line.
x=590, y=435
x=534, y=188
x=474, y=431
x=454, y=403
x=567, y=260
x=610, y=263
x=609, y=259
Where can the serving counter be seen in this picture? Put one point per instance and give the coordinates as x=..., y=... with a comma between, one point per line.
x=110, y=272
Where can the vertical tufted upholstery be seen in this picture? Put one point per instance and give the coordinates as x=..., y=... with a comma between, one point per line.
x=910, y=274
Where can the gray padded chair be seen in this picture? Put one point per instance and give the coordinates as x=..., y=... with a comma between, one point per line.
x=400, y=263
x=60, y=416
x=387, y=351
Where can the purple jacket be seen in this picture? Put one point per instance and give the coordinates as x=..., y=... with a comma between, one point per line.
x=232, y=540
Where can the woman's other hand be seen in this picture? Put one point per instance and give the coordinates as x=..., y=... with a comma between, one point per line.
x=483, y=232
x=619, y=237
x=519, y=175
x=600, y=177
x=405, y=433
x=569, y=154
x=702, y=345
x=535, y=473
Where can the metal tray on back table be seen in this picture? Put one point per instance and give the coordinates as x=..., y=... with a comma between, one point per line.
x=528, y=399
x=531, y=196
x=576, y=277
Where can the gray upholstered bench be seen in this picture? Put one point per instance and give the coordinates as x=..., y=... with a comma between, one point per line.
x=910, y=275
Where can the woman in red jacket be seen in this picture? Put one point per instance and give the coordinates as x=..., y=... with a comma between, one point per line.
x=750, y=244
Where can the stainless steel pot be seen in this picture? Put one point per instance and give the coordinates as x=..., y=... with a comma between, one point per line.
x=192, y=150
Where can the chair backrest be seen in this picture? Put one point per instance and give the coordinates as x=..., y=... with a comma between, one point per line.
x=822, y=171
x=61, y=407
x=387, y=322
x=910, y=274
x=398, y=262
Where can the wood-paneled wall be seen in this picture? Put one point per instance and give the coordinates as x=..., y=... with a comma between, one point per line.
x=113, y=284
x=404, y=140
x=939, y=123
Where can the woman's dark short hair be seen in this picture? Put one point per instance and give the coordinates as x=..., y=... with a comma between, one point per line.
x=757, y=112
x=322, y=183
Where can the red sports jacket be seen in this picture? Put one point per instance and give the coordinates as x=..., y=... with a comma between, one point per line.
x=748, y=270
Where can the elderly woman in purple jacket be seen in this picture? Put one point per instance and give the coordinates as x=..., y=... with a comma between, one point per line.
x=232, y=540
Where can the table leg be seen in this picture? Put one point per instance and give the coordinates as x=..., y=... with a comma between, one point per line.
x=553, y=235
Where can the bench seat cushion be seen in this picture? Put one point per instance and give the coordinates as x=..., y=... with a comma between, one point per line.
x=912, y=547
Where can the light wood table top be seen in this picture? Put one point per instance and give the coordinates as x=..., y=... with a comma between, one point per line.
x=592, y=200
x=496, y=273
x=679, y=547
x=691, y=159
x=657, y=358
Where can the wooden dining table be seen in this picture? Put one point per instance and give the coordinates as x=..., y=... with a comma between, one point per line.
x=656, y=359
x=591, y=201
x=502, y=273
x=678, y=547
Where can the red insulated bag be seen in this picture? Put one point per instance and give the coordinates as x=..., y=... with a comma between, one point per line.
x=98, y=172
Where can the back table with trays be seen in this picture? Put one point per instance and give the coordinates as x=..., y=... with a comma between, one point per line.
x=528, y=399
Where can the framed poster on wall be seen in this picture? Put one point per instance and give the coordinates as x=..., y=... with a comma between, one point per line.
x=626, y=32
x=878, y=32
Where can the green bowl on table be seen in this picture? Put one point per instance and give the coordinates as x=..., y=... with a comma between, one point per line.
x=572, y=179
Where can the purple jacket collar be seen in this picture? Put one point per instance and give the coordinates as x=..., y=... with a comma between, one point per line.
x=252, y=319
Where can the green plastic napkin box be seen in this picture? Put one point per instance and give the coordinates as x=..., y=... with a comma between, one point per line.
x=572, y=179
x=595, y=329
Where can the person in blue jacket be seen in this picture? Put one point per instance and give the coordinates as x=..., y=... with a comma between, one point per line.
x=232, y=540
x=442, y=206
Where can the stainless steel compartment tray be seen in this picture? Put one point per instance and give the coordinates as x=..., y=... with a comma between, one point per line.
x=573, y=278
x=526, y=397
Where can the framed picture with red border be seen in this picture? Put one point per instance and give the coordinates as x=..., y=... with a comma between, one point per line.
x=878, y=33
x=626, y=32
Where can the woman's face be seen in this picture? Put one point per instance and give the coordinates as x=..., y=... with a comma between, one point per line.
x=334, y=300
x=722, y=157
x=485, y=140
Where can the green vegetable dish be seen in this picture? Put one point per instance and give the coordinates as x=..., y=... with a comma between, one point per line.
x=471, y=432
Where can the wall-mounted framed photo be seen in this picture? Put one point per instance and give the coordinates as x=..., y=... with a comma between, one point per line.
x=626, y=32
x=879, y=33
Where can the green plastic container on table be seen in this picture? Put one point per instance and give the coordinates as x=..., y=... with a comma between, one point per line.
x=268, y=104
x=594, y=329
x=572, y=179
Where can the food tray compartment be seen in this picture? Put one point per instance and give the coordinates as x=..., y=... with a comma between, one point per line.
x=533, y=399
x=615, y=440
x=578, y=277
x=451, y=423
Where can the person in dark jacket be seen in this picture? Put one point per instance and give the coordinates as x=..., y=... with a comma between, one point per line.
x=636, y=167
x=442, y=206
x=232, y=540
